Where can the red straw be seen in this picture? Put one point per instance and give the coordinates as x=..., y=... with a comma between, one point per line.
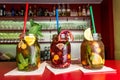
x=25, y=18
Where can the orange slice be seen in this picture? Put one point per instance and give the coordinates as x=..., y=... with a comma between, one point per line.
x=67, y=35
x=30, y=40
x=56, y=57
x=69, y=56
x=88, y=34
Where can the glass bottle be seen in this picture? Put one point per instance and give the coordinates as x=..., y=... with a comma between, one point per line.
x=30, y=12
x=68, y=10
x=28, y=53
x=22, y=10
x=4, y=10
x=84, y=11
x=88, y=10
x=1, y=10
x=12, y=11
x=60, y=52
x=79, y=11
x=54, y=8
x=92, y=53
x=59, y=10
x=63, y=10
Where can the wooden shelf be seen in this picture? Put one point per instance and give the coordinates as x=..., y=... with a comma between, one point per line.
x=42, y=18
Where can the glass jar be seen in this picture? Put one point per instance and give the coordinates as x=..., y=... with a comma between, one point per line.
x=28, y=53
x=92, y=53
x=60, y=52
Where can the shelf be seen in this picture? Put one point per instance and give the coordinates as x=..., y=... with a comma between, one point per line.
x=44, y=30
x=10, y=30
x=41, y=42
x=42, y=18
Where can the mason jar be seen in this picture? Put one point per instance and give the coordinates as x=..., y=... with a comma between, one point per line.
x=28, y=53
x=92, y=53
x=60, y=52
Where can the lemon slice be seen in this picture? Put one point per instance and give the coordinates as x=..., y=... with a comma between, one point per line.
x=96, y=59
x=88, y=34
x=23, y=46
x=30, y=40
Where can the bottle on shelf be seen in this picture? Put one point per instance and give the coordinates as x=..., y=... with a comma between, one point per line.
x=68, y=10
x=4, y=10
x=63, y=10
x=84, y=11
x=79, y=11
x=46, y=13
x=48, y=53
x=88, y=10
x=59, y=10
x=30, y=12
x=1, y=11
x=22, y=10
x=54, y=8
x=12, y=11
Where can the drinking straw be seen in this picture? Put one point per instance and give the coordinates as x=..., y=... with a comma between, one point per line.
x=57, y=20
x=92, y=17
x=25, y=18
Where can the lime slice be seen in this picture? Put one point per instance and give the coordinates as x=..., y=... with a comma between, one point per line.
x=88, y=34
x=30, y=40
x=96, y=59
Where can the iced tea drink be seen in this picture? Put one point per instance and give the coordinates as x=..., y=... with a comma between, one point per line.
x=92, y=53
x=28, y=54
x=60, y=52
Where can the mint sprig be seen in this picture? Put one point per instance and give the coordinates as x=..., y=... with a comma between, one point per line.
x=35, y=29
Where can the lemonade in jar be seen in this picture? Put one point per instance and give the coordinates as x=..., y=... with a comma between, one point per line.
x=28, y=49
x=92, y=51
x=28, y=53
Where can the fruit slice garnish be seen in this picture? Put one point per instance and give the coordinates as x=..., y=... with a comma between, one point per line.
x=88, y=34
x=23, y=46
x=96, y=59
x=69, y=56
x=67, y=35
x=30, y=40
x=60, y=46
x=56, y=57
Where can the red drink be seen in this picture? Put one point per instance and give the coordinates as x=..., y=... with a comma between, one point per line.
x=60, y=53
